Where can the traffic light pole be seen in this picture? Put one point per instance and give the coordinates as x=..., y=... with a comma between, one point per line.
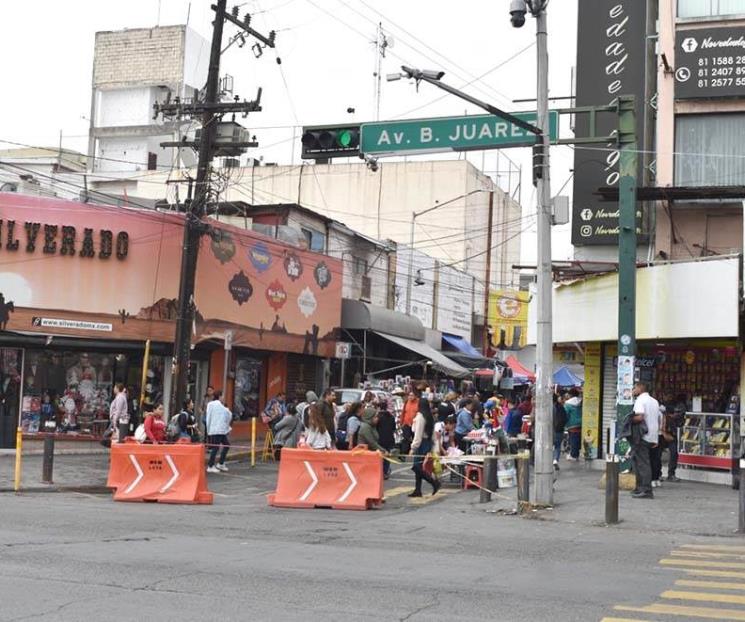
x=193, y=226
x=627, y=222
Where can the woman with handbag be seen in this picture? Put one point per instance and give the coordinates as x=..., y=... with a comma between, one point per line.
x=423, y=429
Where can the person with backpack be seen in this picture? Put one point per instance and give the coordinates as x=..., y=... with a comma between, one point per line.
x=348, y=426
x=560, y=421
x=183, y=425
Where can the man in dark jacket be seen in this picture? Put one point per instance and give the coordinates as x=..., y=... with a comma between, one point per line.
x=386, y=433
x=560, y=421
x=328, y=412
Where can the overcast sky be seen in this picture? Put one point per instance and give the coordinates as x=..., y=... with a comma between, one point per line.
x=328, y=60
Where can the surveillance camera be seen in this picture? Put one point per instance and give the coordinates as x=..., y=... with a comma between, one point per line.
x=392, y=77
x=433, y=75
x=518, y=9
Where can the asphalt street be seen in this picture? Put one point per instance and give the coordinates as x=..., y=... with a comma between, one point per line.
x=80, y=556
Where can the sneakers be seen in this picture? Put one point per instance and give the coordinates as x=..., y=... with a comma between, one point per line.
x=212, y=469
x=643, y=495
x=436, y=486
x=571, y=459
x=415, y=494
x=222, y=468
x=656, y=483
x=672, y=478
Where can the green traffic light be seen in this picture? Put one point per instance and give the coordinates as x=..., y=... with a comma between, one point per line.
x=344, y=138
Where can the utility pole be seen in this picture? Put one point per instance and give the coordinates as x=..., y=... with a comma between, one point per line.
x=544, y=477
x=211, y=111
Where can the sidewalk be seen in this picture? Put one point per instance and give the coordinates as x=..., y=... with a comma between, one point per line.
x=685, y=508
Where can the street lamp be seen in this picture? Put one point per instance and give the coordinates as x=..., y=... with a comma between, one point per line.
x=544, y=339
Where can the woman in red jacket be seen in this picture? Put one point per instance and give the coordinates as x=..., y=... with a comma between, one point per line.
x=155, y=426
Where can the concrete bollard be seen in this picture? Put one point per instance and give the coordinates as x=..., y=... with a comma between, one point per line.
x=47, y=465
x=489, y=484
x=522, y=464
x=611, y=490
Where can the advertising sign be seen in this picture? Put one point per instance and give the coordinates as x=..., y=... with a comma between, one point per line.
x=508, y=319
x=610, y=62
x=591, y=401
x=710, y=63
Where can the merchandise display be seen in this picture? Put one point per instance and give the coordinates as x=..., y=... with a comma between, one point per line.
x=706, y=439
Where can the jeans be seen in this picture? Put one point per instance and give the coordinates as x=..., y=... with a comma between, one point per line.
x=574, y=442
x=655, y=461
x=218, y=441
x=640, y=460
x=386, y=467
x=558, y=440
x=672, y=446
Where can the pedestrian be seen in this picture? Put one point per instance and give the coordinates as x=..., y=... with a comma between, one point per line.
x=209, y=395
x=287, y=430
x=655, y=453
x=187, y=422
x=302, y=407
x=386, y=434
x=155, y=426
x=644, y=435
x=464, y=424
x=368, y=430
x=513, y=421
x=411, y=408
x=446, y=407
x=118, y=413
x=219, y=419
x=560, y=421
x=421, y=446
x=328, y=411
x=670, y=426
x=573, y=407
x=317, y=435
x=274, y=410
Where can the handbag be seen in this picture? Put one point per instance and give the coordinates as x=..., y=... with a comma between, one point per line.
x=140, y=435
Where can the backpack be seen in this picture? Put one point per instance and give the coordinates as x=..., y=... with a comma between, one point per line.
x=173, y=429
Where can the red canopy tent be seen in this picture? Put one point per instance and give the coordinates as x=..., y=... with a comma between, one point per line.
x=518, y=371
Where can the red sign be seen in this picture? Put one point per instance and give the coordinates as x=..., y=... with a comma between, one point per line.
x=276, y=295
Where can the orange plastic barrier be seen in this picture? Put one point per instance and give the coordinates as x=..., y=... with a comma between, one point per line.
x=342, y=480
x=164, y=473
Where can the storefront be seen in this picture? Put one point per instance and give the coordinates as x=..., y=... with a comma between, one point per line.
x=83, y=289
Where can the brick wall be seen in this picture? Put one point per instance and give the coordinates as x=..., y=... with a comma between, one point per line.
x=139, y=56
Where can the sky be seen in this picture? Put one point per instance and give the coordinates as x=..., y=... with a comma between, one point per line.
x=328, y=58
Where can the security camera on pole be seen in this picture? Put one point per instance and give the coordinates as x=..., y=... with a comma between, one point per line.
x=544, y=343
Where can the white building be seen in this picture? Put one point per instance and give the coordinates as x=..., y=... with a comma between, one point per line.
x=132, y=70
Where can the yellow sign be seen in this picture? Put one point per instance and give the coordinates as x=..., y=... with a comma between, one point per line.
x=591, y=400
x=508, y=319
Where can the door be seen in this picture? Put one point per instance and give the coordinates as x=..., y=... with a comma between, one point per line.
x=10, y=393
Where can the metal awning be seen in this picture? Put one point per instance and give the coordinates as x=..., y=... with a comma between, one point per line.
x=358, y=315
x=439, y=360
x=460, y=344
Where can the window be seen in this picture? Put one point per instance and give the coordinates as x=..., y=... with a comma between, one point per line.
x=709, y=150
x=316, y=241
x=360, y=265
x=710, y=8
x=152, y=161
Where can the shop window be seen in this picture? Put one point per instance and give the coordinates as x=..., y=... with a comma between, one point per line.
x=316, y=241
x=710, y=8
x=247, y=388
x=70, y=392
x=152, y=161
x=709, y=150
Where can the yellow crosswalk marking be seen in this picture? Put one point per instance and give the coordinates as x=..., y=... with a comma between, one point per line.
x=707, y=555
x=714, y=547
x=691, y=612
x=708, y=597
x=623, y=620
x=729, y=574
x=711, y=585
x=701, y=563
x=394, y=492
x=429, y=498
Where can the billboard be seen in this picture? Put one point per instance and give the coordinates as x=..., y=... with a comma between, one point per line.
x=69, y=268
x=610, y=62
x=710, y=62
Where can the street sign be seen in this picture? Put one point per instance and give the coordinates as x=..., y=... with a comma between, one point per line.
x=484, y=131
x=710, y=62
x=343, y=350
